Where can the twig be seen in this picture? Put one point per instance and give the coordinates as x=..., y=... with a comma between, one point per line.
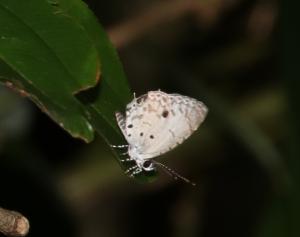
x=13, y=223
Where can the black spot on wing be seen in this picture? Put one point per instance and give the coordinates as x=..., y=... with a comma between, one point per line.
x=165, y=113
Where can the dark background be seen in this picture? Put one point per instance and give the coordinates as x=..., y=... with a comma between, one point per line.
x=241, y=59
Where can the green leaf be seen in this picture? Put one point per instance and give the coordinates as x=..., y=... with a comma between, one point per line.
x=112, y=93
x=54, y=57
x=54, y=52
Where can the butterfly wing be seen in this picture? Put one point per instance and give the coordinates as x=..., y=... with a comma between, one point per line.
x=157, y=122
x=121, y=122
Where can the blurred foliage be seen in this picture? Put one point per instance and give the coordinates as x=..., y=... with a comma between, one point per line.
x=244, y=158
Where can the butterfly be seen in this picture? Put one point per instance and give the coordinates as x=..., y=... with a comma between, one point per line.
x=154, y=124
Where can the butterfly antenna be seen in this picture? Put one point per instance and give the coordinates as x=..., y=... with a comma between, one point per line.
x=173, y=173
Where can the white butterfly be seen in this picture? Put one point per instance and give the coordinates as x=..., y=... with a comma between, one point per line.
x=155, y=123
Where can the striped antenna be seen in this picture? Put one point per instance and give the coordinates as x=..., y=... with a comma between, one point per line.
x=173, y=173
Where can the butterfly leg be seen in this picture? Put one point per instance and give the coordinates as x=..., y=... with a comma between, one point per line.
x=119, y=146
x=130, y=169
x=124, y=153
x=127, y=159
x=135, y=172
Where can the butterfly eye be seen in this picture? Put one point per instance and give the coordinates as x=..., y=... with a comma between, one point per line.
x=148, y=165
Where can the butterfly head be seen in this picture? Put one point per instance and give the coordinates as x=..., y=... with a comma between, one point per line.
x=145, y=165
x=140, y=166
